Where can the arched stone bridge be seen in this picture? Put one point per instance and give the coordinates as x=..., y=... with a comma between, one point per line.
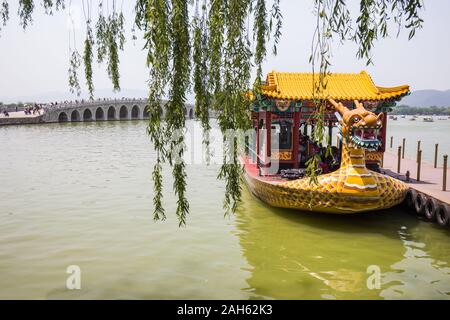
x=102, y=110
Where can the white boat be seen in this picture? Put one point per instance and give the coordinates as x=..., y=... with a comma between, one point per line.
x=428, y=119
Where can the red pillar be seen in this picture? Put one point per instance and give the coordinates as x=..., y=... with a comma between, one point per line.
x=295, y=138
x=269, y=133
x=257, y=140
x=383, y=132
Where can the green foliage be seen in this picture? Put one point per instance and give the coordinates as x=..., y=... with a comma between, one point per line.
x=179, y=84
x=312, y=168
x=110, y=35
x=26, y=8
x=260, y=32
x=152, y=17
x=4, y=12
x=159, y=213
x=200, y=75
x=49, y=4
x=74, y=64
x=234, y=106
x=216, y=21
x=88, y=56
x=373, y=22
x=275, y=24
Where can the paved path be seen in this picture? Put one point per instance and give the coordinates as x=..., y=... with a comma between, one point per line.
x=21, y=114
x=431, y=178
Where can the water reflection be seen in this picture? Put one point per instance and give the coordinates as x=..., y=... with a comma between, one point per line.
x=314, y=256
x=418, y=275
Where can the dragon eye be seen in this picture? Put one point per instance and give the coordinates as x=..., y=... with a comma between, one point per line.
x=356, y=119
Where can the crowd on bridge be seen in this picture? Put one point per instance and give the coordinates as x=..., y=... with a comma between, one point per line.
x=36, y=108
x=66, y=103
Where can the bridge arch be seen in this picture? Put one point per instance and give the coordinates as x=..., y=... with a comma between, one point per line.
x=99, y=114
x=87, y=115
x=145, y=114
x=75, y=116
x=63, y=117
x=135, y=112
x=111, y=113
x=123, y=113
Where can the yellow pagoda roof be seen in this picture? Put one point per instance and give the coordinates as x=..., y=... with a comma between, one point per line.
x=340, y=86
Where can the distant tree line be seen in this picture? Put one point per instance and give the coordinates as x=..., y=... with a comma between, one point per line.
x=407, y=110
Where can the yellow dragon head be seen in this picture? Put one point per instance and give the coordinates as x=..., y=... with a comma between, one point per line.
x=359, y=127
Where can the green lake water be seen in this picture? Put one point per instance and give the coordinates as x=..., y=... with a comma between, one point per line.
x=81, y=194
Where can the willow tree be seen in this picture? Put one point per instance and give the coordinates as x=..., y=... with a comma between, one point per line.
x=212, y=46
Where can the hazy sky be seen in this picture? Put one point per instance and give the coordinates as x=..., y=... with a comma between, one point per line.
x=35, y=62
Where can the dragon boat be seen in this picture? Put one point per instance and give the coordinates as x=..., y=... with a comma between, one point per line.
x=280, y=146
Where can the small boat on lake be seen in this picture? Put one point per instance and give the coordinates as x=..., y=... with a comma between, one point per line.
x=348, y=178
x=428, y=119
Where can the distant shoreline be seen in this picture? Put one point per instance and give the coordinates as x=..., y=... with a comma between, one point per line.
x=417, y=111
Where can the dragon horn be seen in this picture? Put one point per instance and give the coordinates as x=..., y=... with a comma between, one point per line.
x=380, y=116
x=338, y=106
x=358, y=105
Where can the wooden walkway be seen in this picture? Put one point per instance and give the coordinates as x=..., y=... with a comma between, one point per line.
x=430, y=178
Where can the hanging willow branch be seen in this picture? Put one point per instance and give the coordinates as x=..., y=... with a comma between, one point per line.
x=88, y=54
x=234, y=106
x=110, y=34
x=74, y=65
x=260, y=32
x=200, y=74
x=175, y=114
x=4, y=13
x=152, y=17
x=26, y=8
x=275, y=24
x=222, y=58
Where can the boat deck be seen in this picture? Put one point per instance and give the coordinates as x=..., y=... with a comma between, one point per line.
x=252, y=170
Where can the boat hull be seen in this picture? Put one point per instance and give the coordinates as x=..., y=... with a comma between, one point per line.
x=329, y=195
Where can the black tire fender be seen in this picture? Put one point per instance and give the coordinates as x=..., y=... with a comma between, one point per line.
x=419, y=203
x=409, y=198
x=430, y=208
x=442, y=214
